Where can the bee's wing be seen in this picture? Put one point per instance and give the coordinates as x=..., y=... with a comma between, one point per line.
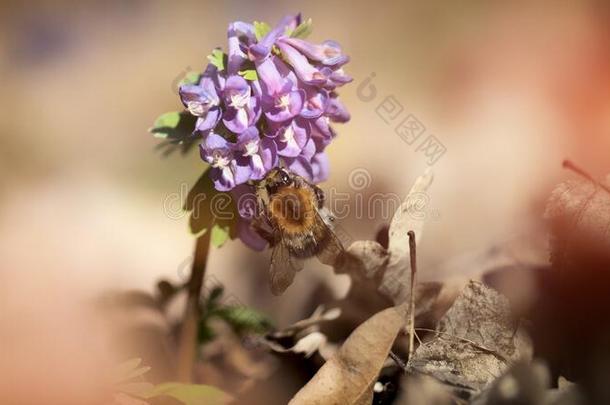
x=282, y=269
x=333, y=248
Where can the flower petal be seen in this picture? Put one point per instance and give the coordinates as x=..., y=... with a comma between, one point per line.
x=208, y=122
x=315, y=102
x=198, y=99
x=328, y=53
x=240, y=35
x=248, y=235
x=239, y=119
x=215, y=141
x=245, y=199
x=284, y=106
x=292, y=138
x=321, y=126
x=304, y=70
x=301, y=166
x=236, y=86
x=268, y=153
x=320, y=167
x=273, y=74
x=261, y=50
x=241, y=173
x=309, y=149
x=336, y=111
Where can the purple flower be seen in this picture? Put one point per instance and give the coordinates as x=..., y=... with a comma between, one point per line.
x=328, y=53
x=202, y=100
x=248, y=235
x=312, y=163
x=245, y=199
x=321, y=127
x=256, y=153
x=262, y=50
x=316, y=101
x=224, y=170
x=320, y=167
x=303, y=69
x=273, y=100
x=336, y=111
x=241, y=37
x=338, y=77
x=291, y=138
x=242, y=109
x=301, y=164
x=281, y=99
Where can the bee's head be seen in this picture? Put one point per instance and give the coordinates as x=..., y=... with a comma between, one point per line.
x=278, y=177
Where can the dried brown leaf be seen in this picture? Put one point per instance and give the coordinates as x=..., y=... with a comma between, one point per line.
x=475, y=341
x=366, y=260
x=363, y=260
x=318, y=316
x=348, y=377
x=306, y=345
x=579, y=213
x=410, y=216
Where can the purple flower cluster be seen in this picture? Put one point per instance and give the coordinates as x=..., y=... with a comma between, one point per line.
x=269, y=101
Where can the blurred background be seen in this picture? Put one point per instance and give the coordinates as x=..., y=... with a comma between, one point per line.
x=509, y=89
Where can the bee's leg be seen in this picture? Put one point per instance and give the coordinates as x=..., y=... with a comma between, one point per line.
x=263, y=231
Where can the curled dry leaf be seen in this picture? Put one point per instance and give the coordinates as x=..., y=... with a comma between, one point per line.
x=579, y=212
x=348, y=376
x=578, y=312
x=307, y=345
x=318, y=315
x=410, y=216
x=305, y=334
x=363, y=260
x=475, y=342
x=369, y=260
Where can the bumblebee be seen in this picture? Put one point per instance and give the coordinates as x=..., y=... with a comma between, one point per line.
x=293, y=219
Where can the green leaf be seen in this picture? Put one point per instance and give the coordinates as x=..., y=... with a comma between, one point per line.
x=261, y=29
x=220, y=234
x=205, y=334
x=211, y=210
x=244, y=319
x=249, y=74
x=303, y=30
x=191, y=394
x=190, y=78
x=198, y=203
x=167, y=120
x=214, y=296
x=177, y=131
x=217, y=58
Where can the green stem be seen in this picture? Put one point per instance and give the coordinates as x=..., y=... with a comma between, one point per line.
x=188, y=334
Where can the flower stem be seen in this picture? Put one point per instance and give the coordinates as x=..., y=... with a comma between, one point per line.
x=188, y=334
x=570, y=165
x=413, y=257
